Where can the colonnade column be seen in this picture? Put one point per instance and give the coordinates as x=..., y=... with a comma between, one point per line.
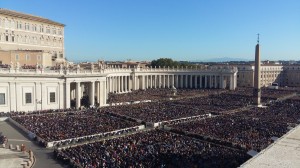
x=168, y=81
x=135, y=82
x=82, y=88
x=205, y=81
x=143, y=82
x=176, y=81
x=191, y=81
x=181, y=81
x=68, y=94
x=92, y=93
x=155, y=81
x=164, y=81
x=125, y=84
x=146, y=81
x=216, y=86
x=109, y=84
x=78, y=95
x=159, y=82
x=102, y=93
x=200, y=82
x=119, y=84
x=230, y=82
x=186, y=81
x=97, y=90
x=195, y=82
x=151, y=81
x=122, y=83
x=113, y=83
x=235, y=80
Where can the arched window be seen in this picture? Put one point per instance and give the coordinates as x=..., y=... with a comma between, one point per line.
x=42, y=28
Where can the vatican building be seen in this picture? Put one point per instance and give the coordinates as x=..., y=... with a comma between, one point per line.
x=32, y=45
x=55, y=113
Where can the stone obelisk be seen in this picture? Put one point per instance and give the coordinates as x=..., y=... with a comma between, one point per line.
x=257, y=77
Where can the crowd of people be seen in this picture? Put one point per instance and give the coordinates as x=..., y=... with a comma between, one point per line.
x=3, y=138
x=4, y=66
x=250, y=133
x=154, y=148
x=155, y=111
x=278, y=112
x=251, y=128
x=159, y=94
x=266, y=93
x=170, y=110
x=60, y=126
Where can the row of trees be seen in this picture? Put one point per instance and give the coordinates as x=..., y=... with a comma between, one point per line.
x=165, y=62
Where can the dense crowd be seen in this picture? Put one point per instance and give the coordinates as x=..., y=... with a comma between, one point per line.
x=155, y=111
x=152, y=149
x=251, y=128
x=251, y=133
x=217, y=103
x=49, y=111
x=279, y=112
x=266, y=93
x=28, y=66
x=159, y=94
x=170, y=110
x=60, y=126
x=4, y=66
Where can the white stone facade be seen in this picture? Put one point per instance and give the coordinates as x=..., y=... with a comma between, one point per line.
x=270, y=73
x=19, y=31
x=41, y=89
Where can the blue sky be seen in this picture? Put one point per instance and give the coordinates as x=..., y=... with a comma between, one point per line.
x=179, y=29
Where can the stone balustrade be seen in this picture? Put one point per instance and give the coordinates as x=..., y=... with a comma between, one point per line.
x=64, y=71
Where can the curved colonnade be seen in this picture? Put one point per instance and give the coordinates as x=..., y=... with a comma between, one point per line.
x=41, y=89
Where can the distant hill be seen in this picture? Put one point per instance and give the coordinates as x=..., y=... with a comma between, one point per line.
x=222, y=59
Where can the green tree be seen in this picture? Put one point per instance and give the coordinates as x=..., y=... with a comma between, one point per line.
x=161, y=62
x=164, y=62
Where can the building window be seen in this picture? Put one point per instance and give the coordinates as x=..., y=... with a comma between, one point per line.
x=6, y=37
x=13, y=38
x=28, y=98
x=39, y=57
x=17, y=57
x=27, y=57
x=52, y=97
x=2, y=98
